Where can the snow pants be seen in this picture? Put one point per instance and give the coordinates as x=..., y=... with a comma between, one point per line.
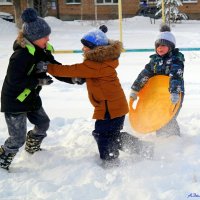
x=110, y=140
x=172, y=128
x=17, y=128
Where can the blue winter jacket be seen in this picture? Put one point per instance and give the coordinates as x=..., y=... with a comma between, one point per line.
x=171, y=64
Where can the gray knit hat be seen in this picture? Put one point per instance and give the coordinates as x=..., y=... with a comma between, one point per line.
x=165, y=37
x=34, y=27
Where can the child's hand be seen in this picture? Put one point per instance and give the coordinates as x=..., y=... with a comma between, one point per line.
x=133, y=94
x=174, y=98
x=78, y=81
x=45, y=81
x=41, y=67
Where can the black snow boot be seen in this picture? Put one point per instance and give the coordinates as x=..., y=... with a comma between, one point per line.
x=112, y=163
x=32, y=145
x=5, y=160
x=130, y=144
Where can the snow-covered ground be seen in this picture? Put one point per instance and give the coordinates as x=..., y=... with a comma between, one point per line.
x=68, y=167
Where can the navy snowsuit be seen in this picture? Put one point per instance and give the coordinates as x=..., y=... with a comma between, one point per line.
x=172, y=65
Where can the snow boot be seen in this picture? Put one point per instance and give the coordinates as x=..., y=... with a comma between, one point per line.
x=127, y=143
x=109, y=164
x=5, y=160
x=130, y=144
x=32, y=145
x=146, y=150
x=171, y=129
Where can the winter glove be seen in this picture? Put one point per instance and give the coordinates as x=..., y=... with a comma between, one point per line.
x=174, y=98
x=78, y=81
x=45, y=81
x=133, y=94
x=41, y=67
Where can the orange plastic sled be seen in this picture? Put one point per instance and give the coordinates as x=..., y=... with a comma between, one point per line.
x=154, y=108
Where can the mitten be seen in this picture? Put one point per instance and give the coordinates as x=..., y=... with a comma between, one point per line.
x=45, y=81
x=133, y=94
x=174, y=98
x=78, y=81
x=41, y=67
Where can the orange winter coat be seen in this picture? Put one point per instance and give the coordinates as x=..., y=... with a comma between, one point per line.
x=99, y=70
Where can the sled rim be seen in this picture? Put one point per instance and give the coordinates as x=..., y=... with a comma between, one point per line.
x=140, y=123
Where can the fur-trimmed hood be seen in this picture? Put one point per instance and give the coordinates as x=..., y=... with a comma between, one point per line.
x=104, y=53
x=21, y=41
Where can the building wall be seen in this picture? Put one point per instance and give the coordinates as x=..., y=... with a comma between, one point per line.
x=7, y=8
x=87, y=10
x=192, y=9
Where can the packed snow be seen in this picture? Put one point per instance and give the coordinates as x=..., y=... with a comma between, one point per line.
x=68, y=167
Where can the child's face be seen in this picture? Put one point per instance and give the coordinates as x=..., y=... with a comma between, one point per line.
x=162, y=50
x=85, y=49
x=42, y=42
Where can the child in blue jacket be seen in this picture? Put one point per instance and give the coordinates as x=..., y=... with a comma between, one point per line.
x=166, y=61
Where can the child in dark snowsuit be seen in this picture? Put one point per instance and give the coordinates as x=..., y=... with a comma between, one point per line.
x=167, y=61
x=20, y=92
x=105, y=93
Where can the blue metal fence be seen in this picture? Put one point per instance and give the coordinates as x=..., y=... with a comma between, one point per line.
x=126, y=50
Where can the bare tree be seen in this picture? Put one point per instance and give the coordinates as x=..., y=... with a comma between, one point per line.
x=30, y=3
x=172, y=12
x=18, y=11
x=58, y=9
x=41, y=7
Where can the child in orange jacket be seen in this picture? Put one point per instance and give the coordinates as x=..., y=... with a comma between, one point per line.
x=105, y=94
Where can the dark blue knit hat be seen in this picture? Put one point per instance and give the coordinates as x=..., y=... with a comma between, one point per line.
x=95, y=38
x=34, y=27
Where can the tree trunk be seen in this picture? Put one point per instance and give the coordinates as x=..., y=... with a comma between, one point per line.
x=30, y=3
x=58, y=9
x=18, y=11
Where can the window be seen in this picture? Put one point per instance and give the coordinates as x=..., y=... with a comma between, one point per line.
x=6, y=2
x=106, y=1
x=73, y=1
x=52, y=4
x=190, y=1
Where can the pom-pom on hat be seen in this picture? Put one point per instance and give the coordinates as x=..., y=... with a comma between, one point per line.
x=165, y=37
x=95, y=38
x=34, y=27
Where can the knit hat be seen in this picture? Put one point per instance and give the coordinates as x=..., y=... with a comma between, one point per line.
x=165, y=37
x=34, y=27
x=95, y=38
